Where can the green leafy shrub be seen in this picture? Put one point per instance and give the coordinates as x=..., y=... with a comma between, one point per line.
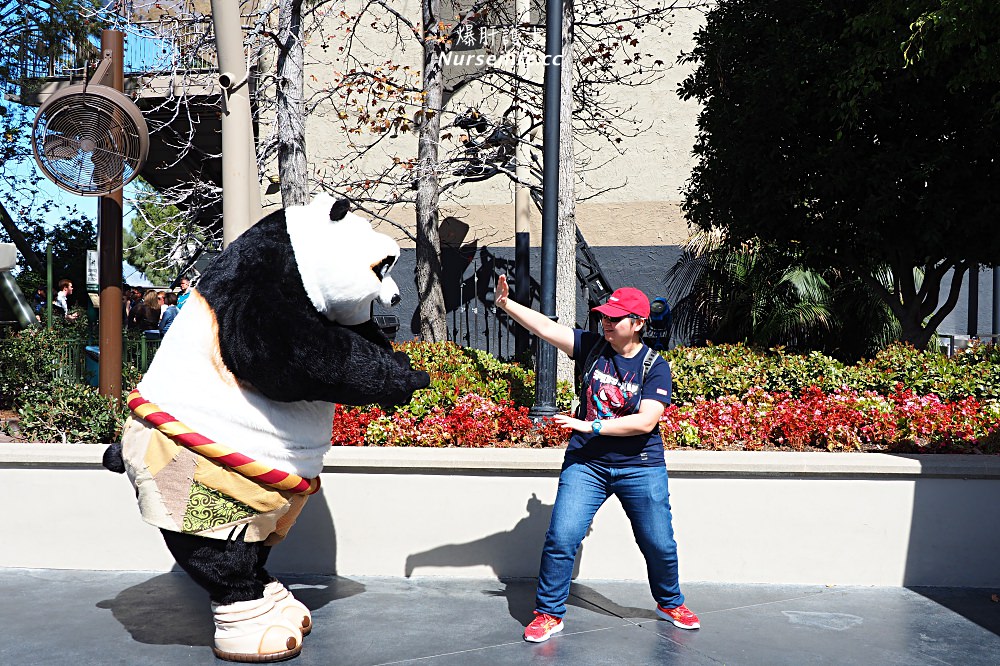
x=716, y=371
x=731, y=370
x=459, y=371
x=40, y=381
x=30, y=361
x=70, y=412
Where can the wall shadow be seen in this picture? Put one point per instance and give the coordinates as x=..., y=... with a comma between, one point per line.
x=974, y=604
x=513, y=556
x=311, y=544
x=953, y=543
x=513, y=553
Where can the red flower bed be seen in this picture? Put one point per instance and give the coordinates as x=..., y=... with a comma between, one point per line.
x=473, y=421
x=841, y=420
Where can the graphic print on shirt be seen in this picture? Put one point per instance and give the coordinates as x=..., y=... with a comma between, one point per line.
x=610, y=396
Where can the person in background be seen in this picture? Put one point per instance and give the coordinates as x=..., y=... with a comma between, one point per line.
x=40, y=300
x=61, y=301
x=614, y=449
x=185, y=292
x=147, y=314
x=169, y=312
x=134, y=306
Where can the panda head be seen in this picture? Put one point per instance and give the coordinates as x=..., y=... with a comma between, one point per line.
x=343, y=262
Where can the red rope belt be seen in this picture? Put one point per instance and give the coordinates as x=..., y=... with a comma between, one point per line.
x=223, y=455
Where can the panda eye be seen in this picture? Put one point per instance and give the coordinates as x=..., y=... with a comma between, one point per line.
x=382, y=268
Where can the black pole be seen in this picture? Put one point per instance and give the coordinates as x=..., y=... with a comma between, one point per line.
x=522, y=285
x=545, y=359
x=974, y=301
x=996, y=304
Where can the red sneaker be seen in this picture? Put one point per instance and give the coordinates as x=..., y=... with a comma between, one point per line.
x=542, y=628
x=681, y=616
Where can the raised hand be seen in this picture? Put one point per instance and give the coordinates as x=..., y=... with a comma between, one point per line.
x=502, y=292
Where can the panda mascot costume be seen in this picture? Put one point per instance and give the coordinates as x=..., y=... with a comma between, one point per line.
x=230, y=423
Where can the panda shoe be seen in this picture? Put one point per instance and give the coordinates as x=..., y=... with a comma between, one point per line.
x=291, y=608
x=254, y=631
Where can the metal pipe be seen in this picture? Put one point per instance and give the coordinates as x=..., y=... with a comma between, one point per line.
x=240, y=189
x=10, y=290
x=545, y=359
x=48, y=286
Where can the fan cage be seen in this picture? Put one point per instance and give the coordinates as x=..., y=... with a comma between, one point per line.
x=90, y=140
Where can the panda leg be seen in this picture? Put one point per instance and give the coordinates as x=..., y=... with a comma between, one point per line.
x=249, y=626
x=293, y=609
x=227, y=568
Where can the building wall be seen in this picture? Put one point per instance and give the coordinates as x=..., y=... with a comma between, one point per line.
x=628, y=197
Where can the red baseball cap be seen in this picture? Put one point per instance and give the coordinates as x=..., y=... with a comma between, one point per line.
x=625, y=301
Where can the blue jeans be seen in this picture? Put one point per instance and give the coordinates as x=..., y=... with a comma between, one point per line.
x=583, y=488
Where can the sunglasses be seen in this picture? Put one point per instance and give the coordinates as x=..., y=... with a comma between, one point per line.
x=615, y=320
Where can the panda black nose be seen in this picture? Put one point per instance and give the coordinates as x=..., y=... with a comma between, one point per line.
x=395, y=300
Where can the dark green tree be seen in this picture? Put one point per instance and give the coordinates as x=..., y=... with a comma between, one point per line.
x=815, y=134
x=746, y=292
x=161, y=240
x=962, y=32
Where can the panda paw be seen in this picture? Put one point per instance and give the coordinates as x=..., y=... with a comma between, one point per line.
x=112, y=459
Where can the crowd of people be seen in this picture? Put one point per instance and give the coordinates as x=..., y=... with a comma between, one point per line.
x=149, y=311
x=153, y=311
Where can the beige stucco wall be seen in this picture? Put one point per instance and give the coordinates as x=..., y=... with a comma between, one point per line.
x=859, y=519
x=629, y=192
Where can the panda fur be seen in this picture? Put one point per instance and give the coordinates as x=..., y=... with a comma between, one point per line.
x=277, y=331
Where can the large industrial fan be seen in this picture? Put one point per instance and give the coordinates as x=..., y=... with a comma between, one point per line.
x=89, y=138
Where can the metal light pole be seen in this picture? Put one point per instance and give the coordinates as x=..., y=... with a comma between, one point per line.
x=996, y=305
x=545, y=359
x=522, y=195
x=240, y=189
x=974, y=302
x=109, y=252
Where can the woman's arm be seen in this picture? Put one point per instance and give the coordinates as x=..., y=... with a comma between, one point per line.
x=640, y=423
x=556, y=334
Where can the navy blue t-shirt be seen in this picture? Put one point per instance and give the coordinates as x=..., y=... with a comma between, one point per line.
x=614, y=391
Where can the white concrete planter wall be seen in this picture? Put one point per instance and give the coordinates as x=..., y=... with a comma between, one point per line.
x=859, y=519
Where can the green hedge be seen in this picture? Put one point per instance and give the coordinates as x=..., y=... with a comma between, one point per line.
x=717, y=371
x=40, y=380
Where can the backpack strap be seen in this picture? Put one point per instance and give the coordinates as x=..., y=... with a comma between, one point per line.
x=647, y=363
x=588, y=370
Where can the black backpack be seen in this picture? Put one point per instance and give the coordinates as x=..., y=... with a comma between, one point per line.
x=591, y=362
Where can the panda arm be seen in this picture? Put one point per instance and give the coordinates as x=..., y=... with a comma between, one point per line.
x=272, y=338
x=320, y=360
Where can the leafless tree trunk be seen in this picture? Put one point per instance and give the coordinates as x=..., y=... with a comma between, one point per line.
x=291, y=116
x=433, y=317
x=566, y=288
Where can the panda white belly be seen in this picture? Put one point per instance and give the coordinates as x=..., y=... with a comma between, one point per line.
x=189, y=380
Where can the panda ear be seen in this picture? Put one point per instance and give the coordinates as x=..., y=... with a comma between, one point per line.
x=339, y=209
